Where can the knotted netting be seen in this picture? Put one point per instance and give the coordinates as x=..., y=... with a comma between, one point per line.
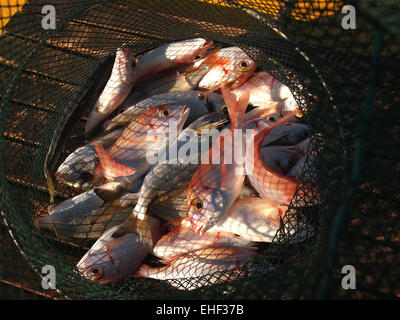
x=344, y=80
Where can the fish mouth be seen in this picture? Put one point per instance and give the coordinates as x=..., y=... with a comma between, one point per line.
x=198, y=224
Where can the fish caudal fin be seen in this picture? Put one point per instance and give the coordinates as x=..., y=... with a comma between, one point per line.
x=111, y=169
x=236, y=108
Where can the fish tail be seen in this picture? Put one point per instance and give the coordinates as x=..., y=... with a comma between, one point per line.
x=236, y=109
x=110, y=168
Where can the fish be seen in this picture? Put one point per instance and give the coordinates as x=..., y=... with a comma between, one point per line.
x=112, y=259
x=198, y=107
x=171, y=55
x=280, y=158
x=128, y=158
x=287, y=105
x=175, y=169
x=263, y=89
x=199, y=263
x=183, y=240
x=287, y=134
x=216, y=184
x=82, y=101
x=80, y=216
x=302, y=169
x=252, y=219
x=268, y=183
x=78, y=168
x=116, y=90
x=228, y=67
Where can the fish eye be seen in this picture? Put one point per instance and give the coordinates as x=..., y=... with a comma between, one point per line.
x=164, y=112
x=197, y=57
x=96, y=273
x=271, y=119
x=243, y=66
x=236, y=235
x=299, y=114
x=197, y=204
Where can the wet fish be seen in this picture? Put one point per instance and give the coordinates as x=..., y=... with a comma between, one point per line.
x=200, y=263
x=280, y=158
x=116, y=90
x=176, y=166
x=228, y=67
x=268, y=183
x=78, y=168
x=171, y=55
x=216, y=184
x=198, y=107
x=112, y=259
x=264, y=88
x=252, y=219
x=183, y=240
x=127, y=159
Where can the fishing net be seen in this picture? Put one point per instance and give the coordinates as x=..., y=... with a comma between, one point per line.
x=344, y=80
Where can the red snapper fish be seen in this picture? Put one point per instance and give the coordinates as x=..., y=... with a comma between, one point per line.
x=127, y=157
x=215, y=185
x=263, y=89
x=228, y=67
x=269, y=183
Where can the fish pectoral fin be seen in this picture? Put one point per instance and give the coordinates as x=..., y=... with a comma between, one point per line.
x=111, y=169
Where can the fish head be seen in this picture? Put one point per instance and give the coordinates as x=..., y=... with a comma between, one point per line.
x=112, y=259
x=78, y=168
x=205, y=207
x=299, y=133
x=228, y=66
x=188, y=51
x=165, y=116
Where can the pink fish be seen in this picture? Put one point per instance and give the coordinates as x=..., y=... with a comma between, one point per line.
x=216, y=184
x=200, y=263
x=269, y=183
x=264, y=88
x=127, y=157
x=228, y=67
x=183, y=240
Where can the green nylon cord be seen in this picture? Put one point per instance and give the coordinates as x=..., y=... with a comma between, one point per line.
x=356, y=174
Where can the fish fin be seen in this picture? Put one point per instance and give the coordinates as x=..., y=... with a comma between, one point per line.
x=51, y=189
x=110, y=168
x=138, y=224
x=236, y=109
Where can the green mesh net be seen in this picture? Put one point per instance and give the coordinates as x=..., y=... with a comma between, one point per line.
x=345, y=81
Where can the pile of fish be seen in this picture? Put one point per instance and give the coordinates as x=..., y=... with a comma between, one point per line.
x=192, y=156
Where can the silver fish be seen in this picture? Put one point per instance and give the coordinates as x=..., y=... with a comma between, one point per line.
x=192, y=99
x=112, y=259
x=78, y=168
